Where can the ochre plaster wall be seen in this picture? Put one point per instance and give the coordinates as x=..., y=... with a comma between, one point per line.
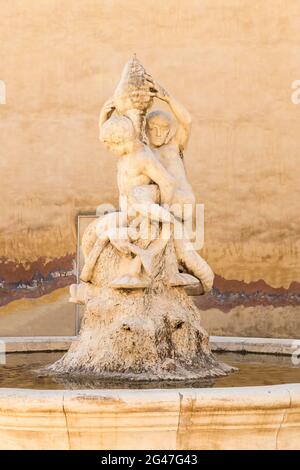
x=232, y=62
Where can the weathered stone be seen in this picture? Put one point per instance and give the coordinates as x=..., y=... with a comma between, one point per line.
x=139, y=323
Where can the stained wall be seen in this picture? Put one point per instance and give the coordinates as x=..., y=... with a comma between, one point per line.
x=232, y=62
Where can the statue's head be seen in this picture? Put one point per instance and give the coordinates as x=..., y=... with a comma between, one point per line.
x=118, y=135
x=160, y=128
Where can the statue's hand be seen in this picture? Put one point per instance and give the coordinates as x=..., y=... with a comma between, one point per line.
x=156, y=89
x=106, y=111
x=161, y=93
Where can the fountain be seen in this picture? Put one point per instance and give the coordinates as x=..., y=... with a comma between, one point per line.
x=139, y=322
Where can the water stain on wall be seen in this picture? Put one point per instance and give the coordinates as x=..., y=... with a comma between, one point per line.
x=228, y=294
x=230, y=62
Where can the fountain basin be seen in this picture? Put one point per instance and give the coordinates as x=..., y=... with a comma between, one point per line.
x=266, y=417
x=226, y=417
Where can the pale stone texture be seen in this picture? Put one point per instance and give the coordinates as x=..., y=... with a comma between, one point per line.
x=278, y=346
x=225, y=418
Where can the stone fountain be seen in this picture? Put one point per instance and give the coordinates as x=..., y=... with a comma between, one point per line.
x=139, y=323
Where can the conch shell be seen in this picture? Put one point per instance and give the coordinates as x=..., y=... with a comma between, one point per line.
x=132, y=96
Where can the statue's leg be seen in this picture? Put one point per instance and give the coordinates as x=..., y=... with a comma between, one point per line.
x=112, y=221
x=194, y=263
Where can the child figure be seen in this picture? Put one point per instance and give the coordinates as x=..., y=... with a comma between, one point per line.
x=144, y=184
x=168, y=139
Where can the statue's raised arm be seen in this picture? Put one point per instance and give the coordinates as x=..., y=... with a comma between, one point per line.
x=181, y=114
x=106, y=111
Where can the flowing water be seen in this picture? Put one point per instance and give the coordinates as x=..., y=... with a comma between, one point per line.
x=20, y=371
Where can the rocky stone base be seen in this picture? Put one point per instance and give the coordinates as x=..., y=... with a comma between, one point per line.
x=141, y=335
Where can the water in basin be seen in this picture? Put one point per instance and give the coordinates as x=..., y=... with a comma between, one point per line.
x=20, y=371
